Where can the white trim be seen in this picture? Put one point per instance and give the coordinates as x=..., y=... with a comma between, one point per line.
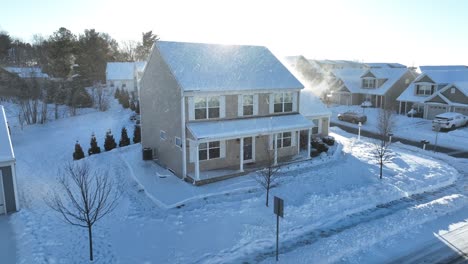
x=175, y=142
x=222, y=148
x=2, y=189
x=243, y=91
x=240, y=105
x=241, y=154
x=253, y=149
x=192, y=150
x=275, y=143
x=162, y=135
x=197, y=162
x=15, y=190
x=309, y=132
x=271, y=102
x=255, y=104
x=191, y=107
x=222, y=106
x=183, y=138
x=294, y=102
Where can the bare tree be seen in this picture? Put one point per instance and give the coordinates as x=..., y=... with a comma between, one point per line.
x=89, y=196
x=100, y=97
x=268, y=176
x=381, y=145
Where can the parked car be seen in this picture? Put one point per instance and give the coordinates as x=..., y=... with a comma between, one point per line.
x=319, y=145
x=329, y=140
x=449, y=120
x=352, y=117
x=415, y=113
x=366, y=104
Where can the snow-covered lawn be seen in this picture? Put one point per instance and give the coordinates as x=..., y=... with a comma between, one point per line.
x=416, y=129
x=165, y=220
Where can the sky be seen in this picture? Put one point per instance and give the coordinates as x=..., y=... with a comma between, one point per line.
x=412, y=32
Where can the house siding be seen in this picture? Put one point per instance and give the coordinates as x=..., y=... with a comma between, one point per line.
x=397, y=89
x=457, y=97
x=9, y=190
x=160, y=99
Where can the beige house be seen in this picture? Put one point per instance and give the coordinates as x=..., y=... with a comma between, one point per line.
x=437, y=90
x=211, y=112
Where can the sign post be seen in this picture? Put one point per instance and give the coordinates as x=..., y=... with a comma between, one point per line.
x=359, y=131
x=437, y=129
x=278, y=210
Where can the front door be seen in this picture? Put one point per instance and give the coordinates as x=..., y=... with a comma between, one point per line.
x=249, y=152
x=2, y=196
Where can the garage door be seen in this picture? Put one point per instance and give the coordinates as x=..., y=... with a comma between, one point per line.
x=461, y=110
x=434, y=110
x=2, y=196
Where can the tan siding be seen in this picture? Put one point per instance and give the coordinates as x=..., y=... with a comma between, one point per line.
x=160, y=110
x=457, y=97
x=397, y=89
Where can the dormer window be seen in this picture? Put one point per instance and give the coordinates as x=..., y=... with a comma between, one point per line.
x=424, y=89
x=369, y=83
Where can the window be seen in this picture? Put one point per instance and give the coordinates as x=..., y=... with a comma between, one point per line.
x=210, y=150
x=368, y=83
x=315, y=128
x=283, y=140
x=206, y=107
x=162, y=134
x=248, y=105
x=178, y=142
x=283, y=102
x=424, y=89
x=452, y=90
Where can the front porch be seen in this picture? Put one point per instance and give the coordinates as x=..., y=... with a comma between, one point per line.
x=215, y=175
x=225, y=149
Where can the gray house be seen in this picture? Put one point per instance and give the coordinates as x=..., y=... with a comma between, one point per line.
x=211, y=112
x=124, y=75
x=437, y=90
x=8, y=193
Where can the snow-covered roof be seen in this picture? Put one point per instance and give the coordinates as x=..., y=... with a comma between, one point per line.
x=212, y=67
x=229, y=129
x=352, y=79
x=6, y=148
x=310, y=105
x=384, y=65
x=123, y=70
x=462, y=86
x=27, y=72
x=443, y=68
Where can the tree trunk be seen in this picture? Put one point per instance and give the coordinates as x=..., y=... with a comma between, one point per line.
x=90, y=234
x=381, y=166
x=56, y=111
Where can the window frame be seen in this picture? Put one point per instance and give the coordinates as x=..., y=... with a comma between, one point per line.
x=207, y=107
x=178, y=139
x=282, y=102
x=209, y=147
x=281, y=139
x=244, y=105
x=162, y=135
x=369, y=83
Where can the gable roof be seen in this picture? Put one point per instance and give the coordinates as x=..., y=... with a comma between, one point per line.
x=310, y=105
x=443, y=68
x=212, y=67
x=352, y=79
x=123, y=70
x=6, y=148
x=27, y=72
x=384, y=65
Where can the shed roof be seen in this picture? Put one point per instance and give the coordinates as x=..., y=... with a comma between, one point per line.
x=6, y=148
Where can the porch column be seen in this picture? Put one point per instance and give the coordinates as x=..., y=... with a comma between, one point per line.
x=406, y=106
x=197, y=161
x=298, y=142
x=399, y=108
x=376, y=101
x=309, y=131
x=276, y=149
x=241, y=155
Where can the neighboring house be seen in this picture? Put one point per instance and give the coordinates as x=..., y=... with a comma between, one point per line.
x=437, y=90
x=211, y=112
x=380, y=86
x=315, y=110
x=8, y=192
x=28, y=72
x=124, y=75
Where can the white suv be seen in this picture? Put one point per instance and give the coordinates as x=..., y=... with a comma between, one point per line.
x=449, y=120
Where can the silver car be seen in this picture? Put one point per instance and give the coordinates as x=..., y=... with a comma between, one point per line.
x=352, y=117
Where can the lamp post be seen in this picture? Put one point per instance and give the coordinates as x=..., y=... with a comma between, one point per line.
x=359, y=131
x=424, y=142
x=437, y=129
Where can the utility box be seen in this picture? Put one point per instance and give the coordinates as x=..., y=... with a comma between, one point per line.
x=147, y=154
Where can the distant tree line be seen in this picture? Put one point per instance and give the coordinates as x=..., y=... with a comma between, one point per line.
x=65, y=55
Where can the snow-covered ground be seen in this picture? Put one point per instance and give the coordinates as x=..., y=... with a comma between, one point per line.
x=416, y=129
x=161, y=219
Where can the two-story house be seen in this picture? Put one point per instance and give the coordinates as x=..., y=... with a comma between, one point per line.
x=208, y=111
x=379, y=85
x=437, y=90
x=124, y=75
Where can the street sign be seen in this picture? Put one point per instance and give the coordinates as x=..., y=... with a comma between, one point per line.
x=279, y=205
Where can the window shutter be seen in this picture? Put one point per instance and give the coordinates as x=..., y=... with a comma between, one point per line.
x=255, y=106
x=222, y=148
x=191, y=108
x=240, y=104
x=222, y=106
x=293, y=138
x=270, y=141
x=192, y=150
x=271, y=102
x=294, y=102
